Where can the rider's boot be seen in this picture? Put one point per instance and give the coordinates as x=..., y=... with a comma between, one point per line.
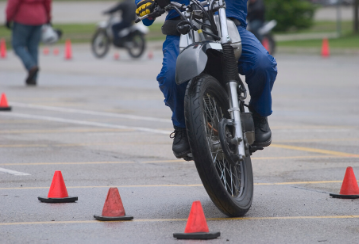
x=180, y=146
x=262, y=131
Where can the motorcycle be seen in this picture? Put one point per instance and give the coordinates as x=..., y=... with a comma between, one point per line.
x=220, y=131
x=132, y=38
x=267, y=37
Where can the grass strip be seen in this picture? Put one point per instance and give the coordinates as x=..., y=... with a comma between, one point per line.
x=348, y=41
x=82, y=33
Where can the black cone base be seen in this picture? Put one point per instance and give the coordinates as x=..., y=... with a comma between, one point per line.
x=197, y=236
x=104, y=218
x=58, y=200
x=5, y=108
x=343, y=196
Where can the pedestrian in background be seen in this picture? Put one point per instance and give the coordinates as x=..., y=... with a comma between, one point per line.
x=25, y=18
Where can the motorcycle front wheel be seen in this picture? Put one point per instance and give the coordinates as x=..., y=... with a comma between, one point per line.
x=100, y=43
x=230, y=186
x=136, y=46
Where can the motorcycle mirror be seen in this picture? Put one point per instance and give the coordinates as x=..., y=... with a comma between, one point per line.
x=183, y=27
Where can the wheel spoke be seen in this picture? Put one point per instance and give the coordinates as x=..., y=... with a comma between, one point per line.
x=230, y=175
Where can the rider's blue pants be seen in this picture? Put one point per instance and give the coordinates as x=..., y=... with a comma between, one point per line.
x=256, y=64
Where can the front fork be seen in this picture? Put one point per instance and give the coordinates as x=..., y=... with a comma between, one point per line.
x=230, y=68
x=235, y=112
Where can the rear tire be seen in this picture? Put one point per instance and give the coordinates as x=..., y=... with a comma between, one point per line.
x=138, y=45
x=271, y=43
x=100, y=43
x=230, y=187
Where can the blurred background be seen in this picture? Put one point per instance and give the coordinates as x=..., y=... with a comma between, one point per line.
x=301, y=24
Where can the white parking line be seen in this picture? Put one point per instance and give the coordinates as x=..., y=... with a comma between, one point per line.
x=12, y=172
x=82, y=122
x=78, y=111
x=144, y=118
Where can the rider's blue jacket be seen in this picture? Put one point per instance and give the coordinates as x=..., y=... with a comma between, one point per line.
x=235, y=9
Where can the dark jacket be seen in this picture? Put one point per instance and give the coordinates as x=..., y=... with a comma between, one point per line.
x=256, y=11
x=128, y=9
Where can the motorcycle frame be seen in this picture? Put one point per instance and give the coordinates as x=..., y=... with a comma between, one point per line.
x=193, y=60
x=107, y=24
x=200, y=54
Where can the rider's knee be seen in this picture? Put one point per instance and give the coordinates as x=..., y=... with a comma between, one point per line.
x=167, y=75
x=265, y=63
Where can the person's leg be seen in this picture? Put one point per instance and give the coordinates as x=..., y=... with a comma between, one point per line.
x=20, y=37
x=174, y=95
x=117, y=28
x=260, y=69
x=33, y=46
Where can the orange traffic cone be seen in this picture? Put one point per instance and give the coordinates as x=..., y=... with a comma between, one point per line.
x=350, y=189
x=56, y=51
x=58, y=192
x=2, y=48
x=46, y=51
x=3, y=103
x=196, y=227
x=150, y=55
x=116, y=56
x=113, y=208
x=68, y=50
x=265, y=44
x=325, y=48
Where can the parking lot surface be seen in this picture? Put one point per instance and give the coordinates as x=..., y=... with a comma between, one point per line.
x=103, y=123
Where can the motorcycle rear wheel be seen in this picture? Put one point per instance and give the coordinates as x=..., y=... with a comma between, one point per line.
x=229, y=186
x=100, y=43
x=271, y=43
x=138, y=45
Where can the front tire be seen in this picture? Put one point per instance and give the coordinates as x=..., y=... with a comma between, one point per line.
x=100, y=43
x=229, y=186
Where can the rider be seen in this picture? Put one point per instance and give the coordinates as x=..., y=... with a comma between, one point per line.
x=128, y=9
x=255, y=17
x=255, y=63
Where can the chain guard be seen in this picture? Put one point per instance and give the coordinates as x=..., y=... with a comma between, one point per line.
x=229, y=143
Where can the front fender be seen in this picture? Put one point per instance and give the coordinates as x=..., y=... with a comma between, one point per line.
x=193, y=60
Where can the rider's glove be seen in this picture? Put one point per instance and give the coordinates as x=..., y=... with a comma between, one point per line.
x=145, y=7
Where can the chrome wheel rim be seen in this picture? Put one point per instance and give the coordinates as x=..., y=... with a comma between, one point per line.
x=230, y=175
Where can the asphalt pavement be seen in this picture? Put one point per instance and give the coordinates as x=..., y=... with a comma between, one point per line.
x=103, y=123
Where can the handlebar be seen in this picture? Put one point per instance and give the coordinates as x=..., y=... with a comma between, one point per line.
x=159, y=11
x=174, y=5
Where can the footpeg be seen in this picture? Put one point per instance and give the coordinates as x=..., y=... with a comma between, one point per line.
x=189, y=157
x=253, y=149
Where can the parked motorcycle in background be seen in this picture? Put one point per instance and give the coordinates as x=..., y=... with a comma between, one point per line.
x=266, y=36
x=132, y=38
x=258, y=26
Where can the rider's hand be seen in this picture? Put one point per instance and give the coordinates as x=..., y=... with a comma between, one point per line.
x=145, y=7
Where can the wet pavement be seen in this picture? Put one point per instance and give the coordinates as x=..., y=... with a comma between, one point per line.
x=103, y=123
